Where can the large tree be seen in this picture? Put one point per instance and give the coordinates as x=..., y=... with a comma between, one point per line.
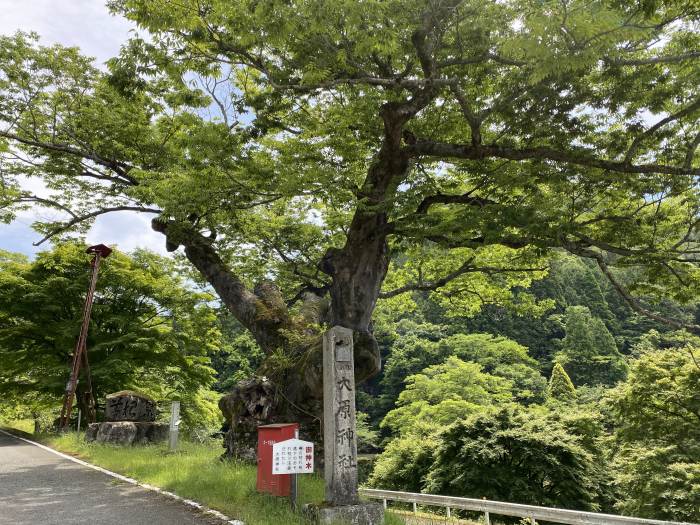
x=292, y=148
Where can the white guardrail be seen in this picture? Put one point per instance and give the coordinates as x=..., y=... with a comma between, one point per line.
x=568, y=517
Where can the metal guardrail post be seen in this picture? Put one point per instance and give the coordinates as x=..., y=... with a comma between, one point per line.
x=415, y=508
x=449, y=512
x=384, y=502
x=487, y=518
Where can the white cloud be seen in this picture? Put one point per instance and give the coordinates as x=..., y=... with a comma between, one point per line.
x=83, y=23
x=128, y=231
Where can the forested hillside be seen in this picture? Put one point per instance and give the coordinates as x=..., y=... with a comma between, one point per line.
x=561, y=404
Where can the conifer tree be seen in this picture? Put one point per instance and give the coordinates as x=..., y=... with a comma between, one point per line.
x=560, y=385
x=589, y=350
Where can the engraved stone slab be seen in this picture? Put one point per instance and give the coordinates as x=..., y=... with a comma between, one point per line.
x=129, y=406
x=339, y=426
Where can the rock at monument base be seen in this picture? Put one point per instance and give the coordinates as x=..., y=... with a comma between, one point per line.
x=127, y=432
x=117, y=432
x=151, y=432
x=129, y=406
x=365, y=513
x=91, y=431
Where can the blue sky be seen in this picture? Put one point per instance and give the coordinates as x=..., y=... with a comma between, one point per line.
x=88, y=25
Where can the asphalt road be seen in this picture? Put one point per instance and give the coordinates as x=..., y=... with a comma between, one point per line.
x=38, y=487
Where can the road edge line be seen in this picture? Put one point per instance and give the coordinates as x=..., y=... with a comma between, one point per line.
x=132, y=481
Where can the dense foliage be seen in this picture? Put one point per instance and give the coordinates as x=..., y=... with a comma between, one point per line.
x=657, y=414
x=616, y=444
x=516, y=455
x=445, y=393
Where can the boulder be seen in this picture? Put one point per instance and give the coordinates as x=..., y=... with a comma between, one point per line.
x=128, y=432
x=129, y=406
x=91, y=431
x=118, y=432
x=151, y=432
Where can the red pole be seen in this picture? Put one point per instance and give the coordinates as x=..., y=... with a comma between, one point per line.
x=100, y=251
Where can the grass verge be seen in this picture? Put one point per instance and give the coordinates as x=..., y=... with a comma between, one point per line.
x=23, y=425
x=194, y=472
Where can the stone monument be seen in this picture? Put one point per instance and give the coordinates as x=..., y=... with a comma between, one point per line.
x=342, y=503
x=129, y=419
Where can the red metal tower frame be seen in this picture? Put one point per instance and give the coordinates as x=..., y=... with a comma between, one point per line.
x=99, y=251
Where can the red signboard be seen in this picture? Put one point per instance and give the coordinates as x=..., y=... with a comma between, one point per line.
x=268, y=435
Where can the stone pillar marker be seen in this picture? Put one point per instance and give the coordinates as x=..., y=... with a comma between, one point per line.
x=342, y=503
x=174, y=425
x=339, y=439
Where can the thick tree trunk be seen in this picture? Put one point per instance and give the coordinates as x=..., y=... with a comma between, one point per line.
x=262, y=311
x=282, y=395
x=359, y=268
x=357, y=272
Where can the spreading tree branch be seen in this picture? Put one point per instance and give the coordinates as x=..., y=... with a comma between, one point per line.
x=473, y=120
x=465, y=268
x=632, y=151
x=262, y=310
x=580, y=158
x=46, y=202
x=441, y=198
x=82, y=218
x=669, y=59
x=624, y=293
x=118, y=167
